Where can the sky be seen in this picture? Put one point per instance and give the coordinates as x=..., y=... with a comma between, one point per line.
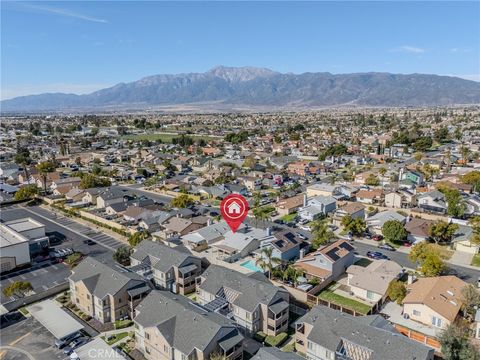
x=82, y=46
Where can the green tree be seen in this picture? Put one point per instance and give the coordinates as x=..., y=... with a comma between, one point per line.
x=475, y=224
x=91, y=181
x=44, y=168
x=122, y=255
x=441, y=231
x=217, y=356
x=432, y=265
x=397, y=291
x=182, y=201
x=455, y=204
x=356, y=226
x=249, y=162
x=372, y=180
x=394, y=231
x=18, y=289
x=470, y=297
x=138, y=237
x=26, y=192
x=267, y=261
x=419, y=252
x=22, y=158
x=456, y=345
x=321, y=233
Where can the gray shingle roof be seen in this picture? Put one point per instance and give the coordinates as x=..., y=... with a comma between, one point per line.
x=252, y=291
x=102, y=279
x=371, y=332
x=162, y=257
x=272, y=353
x=184, y=325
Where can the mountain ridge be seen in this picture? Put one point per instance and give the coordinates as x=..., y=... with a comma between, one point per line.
x=262, y=87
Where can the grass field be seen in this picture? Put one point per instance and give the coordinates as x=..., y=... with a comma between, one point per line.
x=351, y=304
x=363, y=262
x=289, y=217
x=164, y=137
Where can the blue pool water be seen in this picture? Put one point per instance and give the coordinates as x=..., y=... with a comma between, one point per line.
x=250, y=265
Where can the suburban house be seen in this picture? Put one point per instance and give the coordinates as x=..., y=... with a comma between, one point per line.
x=327, y=263
x=286, y=245
x=432, y=201
x=176, y=226
x=174, y=269
x=414, y=176
x=289, y=205
x=374, y=196
x=106, y=292
x=376, y=222
x=254, y=303
x=327, y=334
x=200, y=239
x=418, y=230
x=317, y=207
x=370, y=283
x=461, y=240
x=171, y=327
x=354, y=209
x=237, y=245
x=322, y=189
x=111, y=196
x=400, y=199
x=434, y=301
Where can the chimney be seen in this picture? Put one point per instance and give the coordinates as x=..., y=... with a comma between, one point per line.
x=304, y=199
x=209, y=222
x=268, y=230
x=302, y=253
x=410, y=279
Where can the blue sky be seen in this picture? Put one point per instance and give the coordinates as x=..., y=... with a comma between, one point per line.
x=83, y=46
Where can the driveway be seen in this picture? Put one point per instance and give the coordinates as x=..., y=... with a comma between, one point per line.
x=461, y=258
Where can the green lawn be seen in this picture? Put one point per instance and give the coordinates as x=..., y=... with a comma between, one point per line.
x=164, y=137
x=476, y=260
x=288, y=218
x=363, y=262
x=330, y=296
x=115, y=338
x=120, y=324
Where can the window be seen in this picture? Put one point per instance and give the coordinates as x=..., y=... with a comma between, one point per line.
x=147, y=350
x=88, y=296
x=436, y=321
x=370, y=295
x=310, y=345
x=165, y=348
x=119, y=300
x=147, y=336
x=417, y=313
x=328, y=354
x=248, y=316
x=184, y=357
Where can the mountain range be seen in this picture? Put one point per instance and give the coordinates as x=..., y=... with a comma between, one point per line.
x=253, y=87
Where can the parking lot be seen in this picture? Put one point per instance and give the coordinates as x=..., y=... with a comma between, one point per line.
x=45, y=275
x=27, y=339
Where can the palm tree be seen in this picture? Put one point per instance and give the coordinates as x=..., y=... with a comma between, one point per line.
x=321, y=233
x=294, y=274
x=465, y=151
x=44, y=168
x=267, y=260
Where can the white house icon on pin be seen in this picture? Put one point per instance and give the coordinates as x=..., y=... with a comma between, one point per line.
x=234, y=208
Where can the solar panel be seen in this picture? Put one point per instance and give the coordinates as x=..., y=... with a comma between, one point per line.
x=332, y=254
x=346, y=246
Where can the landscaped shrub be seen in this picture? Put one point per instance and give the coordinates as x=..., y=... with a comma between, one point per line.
x=276, y=340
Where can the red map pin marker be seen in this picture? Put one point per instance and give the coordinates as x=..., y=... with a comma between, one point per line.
x=234, y=208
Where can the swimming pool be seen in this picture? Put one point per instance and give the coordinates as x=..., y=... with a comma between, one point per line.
x=250, y=265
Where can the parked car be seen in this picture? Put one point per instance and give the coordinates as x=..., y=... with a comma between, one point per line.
x=89, y=242
x=74, y=344
x=61, y=343
x=407, y=244
x=377, y=237
x=301, y=236
x=377, y=255
x=386, y=247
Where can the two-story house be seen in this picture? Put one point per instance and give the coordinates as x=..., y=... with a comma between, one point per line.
x=105, y=292
x=432, y=201
x=254, y=303
x=170, y=268
x=317, y=207
x=327, y=263
x=170, y=327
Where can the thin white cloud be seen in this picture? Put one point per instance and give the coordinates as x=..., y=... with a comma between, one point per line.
x=64, y=12
x=474, y=77
x=23, y=90
x=409, y=49
x=460, y=50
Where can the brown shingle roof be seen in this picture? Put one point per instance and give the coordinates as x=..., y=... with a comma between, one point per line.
x=442, y=294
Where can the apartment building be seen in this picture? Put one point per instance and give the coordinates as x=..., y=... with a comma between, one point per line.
x=173, y=269
x=104, y=291
x=171, y=327
x=254, y=303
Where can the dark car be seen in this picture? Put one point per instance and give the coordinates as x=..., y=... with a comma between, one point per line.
x=386, y=247
x=74, y=344
x=377, y=255
x=89, y=242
